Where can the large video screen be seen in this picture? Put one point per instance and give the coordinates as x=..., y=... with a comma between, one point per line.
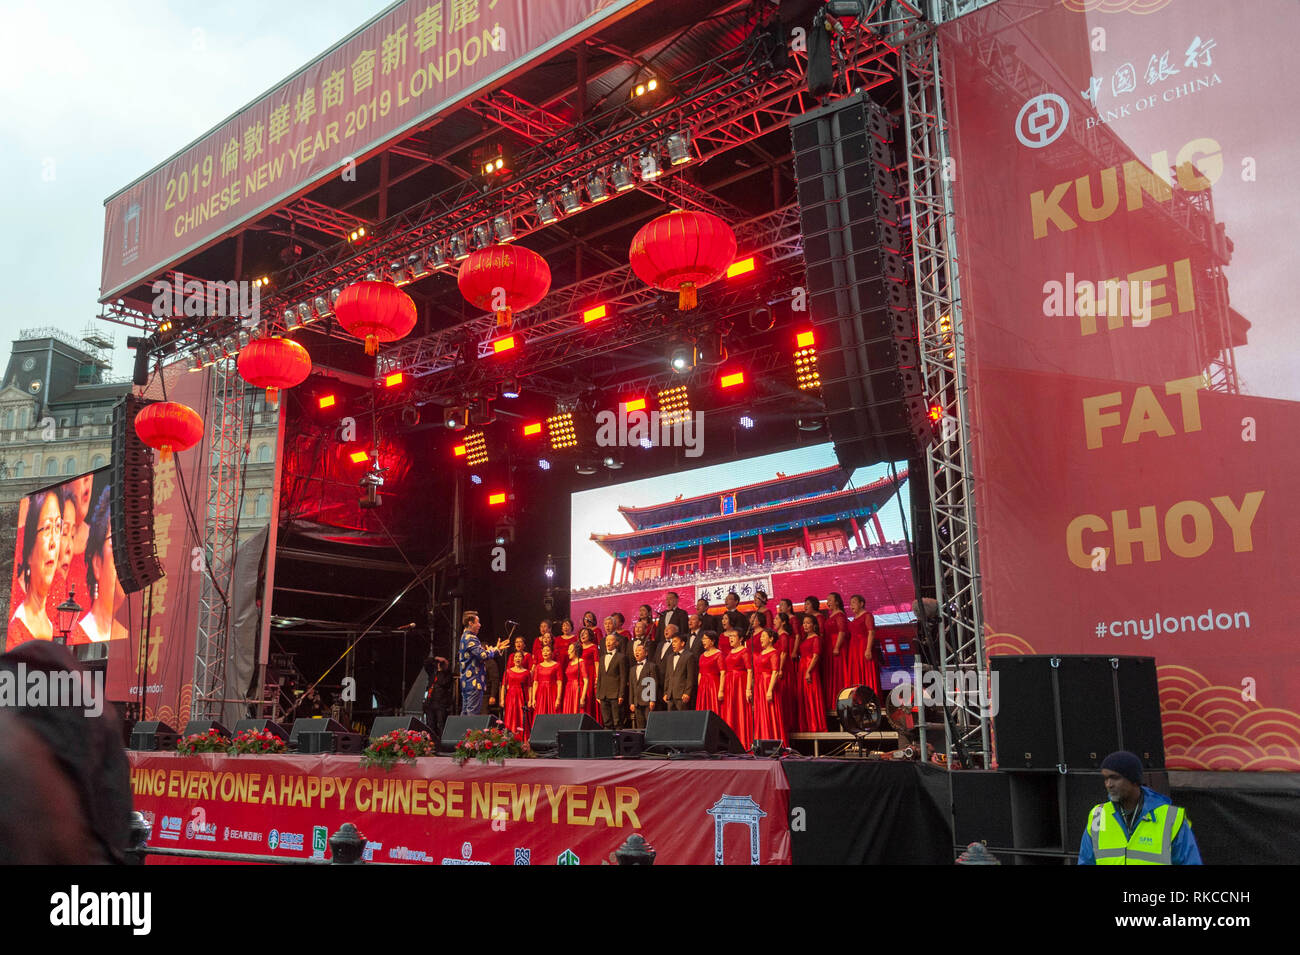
x=65, y=548
x=791, y=524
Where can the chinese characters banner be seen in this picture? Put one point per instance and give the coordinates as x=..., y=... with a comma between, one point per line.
x=404, y=67
x=525, y=812
x=1123, y=207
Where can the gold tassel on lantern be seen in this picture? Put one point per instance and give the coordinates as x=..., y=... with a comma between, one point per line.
x=505, y=318
x=164, y=453
x=686, y=296
x=272, y=397
x=372, y=345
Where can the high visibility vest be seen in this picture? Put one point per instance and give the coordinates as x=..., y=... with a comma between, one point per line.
x=1151, y=843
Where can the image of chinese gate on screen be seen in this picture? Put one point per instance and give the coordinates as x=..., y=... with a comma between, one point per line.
x=65, y=549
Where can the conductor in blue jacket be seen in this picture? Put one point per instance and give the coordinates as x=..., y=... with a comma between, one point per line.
x=473, y=664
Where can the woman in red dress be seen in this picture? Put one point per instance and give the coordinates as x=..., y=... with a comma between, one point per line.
x=812, y=607
x=576, y=683
x=737, y=699
x=769, y=721
x=520, y=648
x=862, y=643
x=812, y=698
x=562, y=641
x=710, y=664
x=548, y=684
x=787, y=687
x=836, y=643
x=590, y=656
x=544, y=630
x=42, y=534
x=757, y=622
x=514, y=712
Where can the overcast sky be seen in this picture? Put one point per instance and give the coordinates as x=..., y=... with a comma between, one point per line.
x=94, y=95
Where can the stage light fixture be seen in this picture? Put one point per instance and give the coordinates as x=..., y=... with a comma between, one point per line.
x=476, y=451
x=809, y=424
x=482, y=236
x=569, y=199
x=711, y=349
x=597, y=191
x=647, y=443
x=649, y=165
x=634, y=404
x=761, y=319
x=475, y=479
x=372, y=276
x=679, y=147
x=290, y=317
x=585, y=468
x=646, y=90
x=197, y=364
x=936, y=413
x=437, y=257
x=459, y=451
x=504, y=230
x=357, y=234
x=210, y=357
x=806, y=375
x=322, y=306
x=561, y=432
x=741, y=267
x=497, y=499
x=732, y=379
x=681, y=357
x=674, y=405
x=544, y=464
x=480, y=411
x=549, y=567
x=456, y=244
x=613, y=462
x=746, y=421
x=335, y=292
x=622, y=177
x=503, y=344
x=327, y=401
x=397, y=273
x=455, y=418
x=594, y=313
x=393, y=380
x=509, y=388
x=546, y=211
x=532, y=428
x=358, y=457
x=416, y=266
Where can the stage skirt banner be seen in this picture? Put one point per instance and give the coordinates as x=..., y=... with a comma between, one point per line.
x=1125, y=218
x=408, y=64
x=525, y=812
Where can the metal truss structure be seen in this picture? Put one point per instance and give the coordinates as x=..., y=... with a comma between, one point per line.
x=226, y=453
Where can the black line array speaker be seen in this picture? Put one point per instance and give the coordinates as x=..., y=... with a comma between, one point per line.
x=134, y=555
x=1070, y=712
x=856, y=227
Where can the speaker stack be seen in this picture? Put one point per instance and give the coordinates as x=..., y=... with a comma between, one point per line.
x=131, y=515
x=855, y=220
x=1057, y=718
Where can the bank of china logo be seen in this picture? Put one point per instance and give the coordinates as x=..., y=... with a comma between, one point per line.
x=1042, y=120
x=567, y=857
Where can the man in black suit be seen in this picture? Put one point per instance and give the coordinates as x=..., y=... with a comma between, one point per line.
x=661, y=651
x=643, y=692
x=641, y=634
x=673, y=614
x=733, y=619
x=694, y=638
x=680, y=676
x=611, y=683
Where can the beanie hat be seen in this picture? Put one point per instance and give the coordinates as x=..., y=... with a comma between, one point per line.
x=1126, y=764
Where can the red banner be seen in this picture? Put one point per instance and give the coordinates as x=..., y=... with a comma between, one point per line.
x=407, y=65
x=1123, y=206
x=526, y=812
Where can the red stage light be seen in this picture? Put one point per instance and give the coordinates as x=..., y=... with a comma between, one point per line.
x=393, y=380
x=805, y=340
x=458, y=450
x=359, y=456
x=741, y=267
x=532, y=429
x=498, y=498
x=503, y=344
x=636, y=404
x=594, y=313
x=732, y=379
x=936, y=412
x=327, y=402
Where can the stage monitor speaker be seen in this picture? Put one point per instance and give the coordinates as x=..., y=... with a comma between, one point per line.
x=201, y=727
x=546, y=727
x=153, y=736
x=690, y=731
x=262, y=726
x=586, y=744
x=330, y=742
x=855, y=219
x=131, y=500
x=387, y=724
x=454, y=730
x=1068, y=712
x=314, y=724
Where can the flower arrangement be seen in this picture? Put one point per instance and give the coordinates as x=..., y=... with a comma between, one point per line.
x=404, y=745
x=256, y=742
x=494, y=745
x=210, y=742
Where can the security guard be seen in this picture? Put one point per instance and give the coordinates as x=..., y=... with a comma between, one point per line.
x=1138, y=826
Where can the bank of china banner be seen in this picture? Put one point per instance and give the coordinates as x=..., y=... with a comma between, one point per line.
x=525, y=812
x=1126, y=219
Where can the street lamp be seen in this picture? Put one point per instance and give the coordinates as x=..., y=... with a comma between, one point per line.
x=67, y=611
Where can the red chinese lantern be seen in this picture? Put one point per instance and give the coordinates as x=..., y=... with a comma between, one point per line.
x=274, y=363
x=504, y=279
x=682, y=251
x=169, y=426
x=375, y=311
